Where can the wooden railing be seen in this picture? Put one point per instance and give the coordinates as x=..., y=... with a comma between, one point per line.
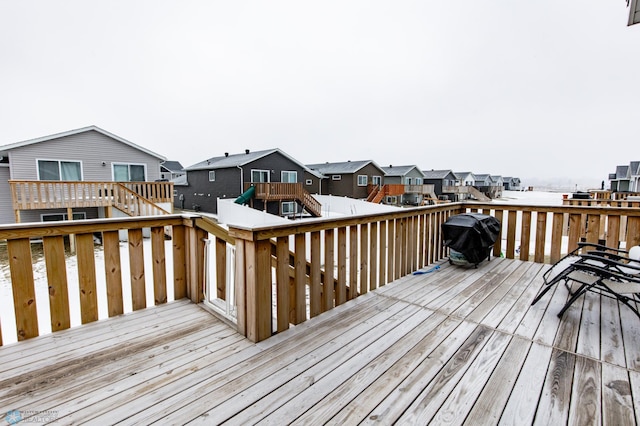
x=278, y=191
x=34, y=194
x=315, y=265
x=134, y=204
x=185, y=268
x=424, y=189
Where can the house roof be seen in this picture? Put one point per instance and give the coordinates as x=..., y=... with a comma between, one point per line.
x=346, y=167
x=238, y=160
x=482, y=176
x=622, y=172
x=436, y=174
x=461, y=175
x=173, y=166
x=15, y=145
x=400, y=170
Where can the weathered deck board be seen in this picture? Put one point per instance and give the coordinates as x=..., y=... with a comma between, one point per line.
x=453, y=345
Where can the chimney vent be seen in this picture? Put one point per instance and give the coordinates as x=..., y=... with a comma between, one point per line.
x=246, y=151
x=226, y=154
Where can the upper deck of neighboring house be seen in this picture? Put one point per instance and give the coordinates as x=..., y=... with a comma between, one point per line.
x=81, y=173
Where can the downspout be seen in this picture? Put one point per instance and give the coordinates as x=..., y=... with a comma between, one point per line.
x=241, y=179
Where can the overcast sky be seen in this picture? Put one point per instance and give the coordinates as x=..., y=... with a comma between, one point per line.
x=544, y=89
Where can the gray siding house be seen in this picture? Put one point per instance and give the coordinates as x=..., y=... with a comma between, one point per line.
x=276, y=179
x=410, y=177
x=88, y=154
x=442, y=180
x=349, y=179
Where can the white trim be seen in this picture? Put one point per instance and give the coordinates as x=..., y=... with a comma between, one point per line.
x=119, y=163
x=214, y=175
x=366, y=179
x=58, y=160
x=293, y=172
x=267, y=172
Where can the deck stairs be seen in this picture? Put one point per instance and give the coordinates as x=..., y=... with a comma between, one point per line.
x=477, y=194
x=133, y=204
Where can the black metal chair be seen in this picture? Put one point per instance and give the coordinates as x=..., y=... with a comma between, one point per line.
x=560, y=271
x=618, y=278
x=611, y=272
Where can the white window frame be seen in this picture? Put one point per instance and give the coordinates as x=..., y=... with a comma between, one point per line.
x=366, y=179
x=336, y=177
x=59, y=166
x=212, y=175
x=377, y=180
x=288, y=203
x=262, y=172
x=418, y=181
x=113, y=171
x=291, y=173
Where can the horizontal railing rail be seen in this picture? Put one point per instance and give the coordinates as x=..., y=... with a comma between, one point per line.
x=34, y=194
x=283, y=274
x=424, y=189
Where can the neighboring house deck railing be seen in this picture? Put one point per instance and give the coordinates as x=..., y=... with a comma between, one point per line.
x=424, y=189
x=282, y=274
x=279, y=191
x=40, y=195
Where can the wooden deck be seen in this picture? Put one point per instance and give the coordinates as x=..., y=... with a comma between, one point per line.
x=451, y=346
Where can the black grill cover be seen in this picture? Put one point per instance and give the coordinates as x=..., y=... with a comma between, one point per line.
x=472, y=234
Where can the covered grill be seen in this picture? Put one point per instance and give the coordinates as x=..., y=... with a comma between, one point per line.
x=470, y=237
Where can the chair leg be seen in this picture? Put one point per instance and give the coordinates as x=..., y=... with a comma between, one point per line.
x=583, y=289
x=541, y=293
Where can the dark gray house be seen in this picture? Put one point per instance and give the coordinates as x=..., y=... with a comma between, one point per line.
x=268, y=180
x=443, y=181
x=407, y=182
x=352, y=179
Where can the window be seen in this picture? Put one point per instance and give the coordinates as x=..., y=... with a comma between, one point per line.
x=212, y=175
x=129, y=173
x=362, y=180
x=62, y=216
x=336, y=177
x=59, y=170
x=289, y=208
x=418, y=181
x=260, y=176
x=288, y=177
x=376, y=180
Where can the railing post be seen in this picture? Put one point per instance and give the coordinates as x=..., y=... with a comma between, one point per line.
x=253, y=285
x=194, y=241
